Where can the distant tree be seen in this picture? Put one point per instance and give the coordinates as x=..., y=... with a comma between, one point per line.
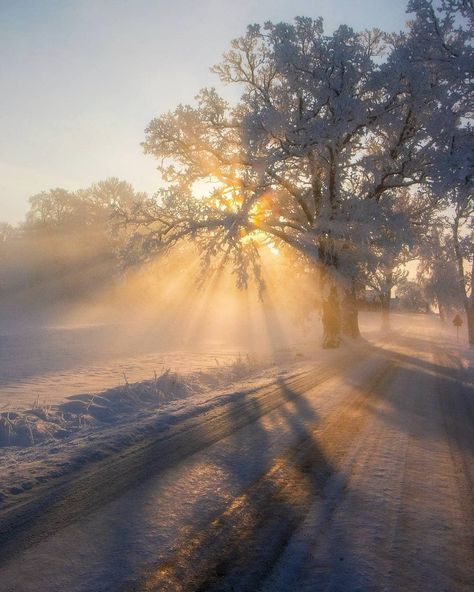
x=437, y=271
x=67, y=247
x=54, y=208
x=402, y=225
x=411, y=297
x=382, y=281
x=7, y=232
x=108, y=196
x=82, y=208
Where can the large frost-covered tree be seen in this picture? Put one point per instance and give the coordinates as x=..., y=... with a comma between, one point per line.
x=328, y=129
x=444, y=38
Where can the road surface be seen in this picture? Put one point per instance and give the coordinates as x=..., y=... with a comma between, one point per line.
x=357, y=477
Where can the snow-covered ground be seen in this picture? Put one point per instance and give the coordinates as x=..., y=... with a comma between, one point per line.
x=358, y=482
x=44, y=443
x=53, y=363
x=71, y=394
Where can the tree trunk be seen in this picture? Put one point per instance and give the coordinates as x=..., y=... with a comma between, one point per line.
x=350, y=314
x=386, y=298
x=470, y=323
x=469, y=307
x=385, y=301
x=350, y=311
x=468, y=300
x=355, y=325
x=355, y=330
x=442, y=313
x=331, y=317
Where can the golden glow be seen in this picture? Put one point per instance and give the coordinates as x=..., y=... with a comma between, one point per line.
x=160, y=302
x=228, y=198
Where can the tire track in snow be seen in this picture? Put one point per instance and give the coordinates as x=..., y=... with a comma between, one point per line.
x=320, y=555
x=433, y=542
x=239, y=548
x=403, y=522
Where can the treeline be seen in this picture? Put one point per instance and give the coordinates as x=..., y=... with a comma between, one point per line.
x=67, y=249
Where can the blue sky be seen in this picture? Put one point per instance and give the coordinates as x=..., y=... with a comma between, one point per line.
x=80, y=79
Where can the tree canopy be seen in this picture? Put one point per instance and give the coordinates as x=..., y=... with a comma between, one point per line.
x=318, y=153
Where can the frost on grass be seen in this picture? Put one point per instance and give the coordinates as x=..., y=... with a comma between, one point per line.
x=43, y=422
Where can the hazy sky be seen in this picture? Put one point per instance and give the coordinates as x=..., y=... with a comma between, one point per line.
x=80, y=79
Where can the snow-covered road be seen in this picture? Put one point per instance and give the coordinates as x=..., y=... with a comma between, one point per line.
x=357, y=477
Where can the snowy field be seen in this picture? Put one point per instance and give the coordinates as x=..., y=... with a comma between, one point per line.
x=69, y=395
x=48, y=365
x=56, y=381
x=378, y=503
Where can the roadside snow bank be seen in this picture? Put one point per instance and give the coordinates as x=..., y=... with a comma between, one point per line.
x=87, y=428
x=43, y=422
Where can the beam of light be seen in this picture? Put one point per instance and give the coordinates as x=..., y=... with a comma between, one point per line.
x=158, y=305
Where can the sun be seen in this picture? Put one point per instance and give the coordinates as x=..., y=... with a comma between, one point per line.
x=227, y=197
